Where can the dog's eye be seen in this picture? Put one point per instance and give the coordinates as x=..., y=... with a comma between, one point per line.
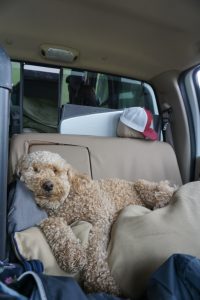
x=55, y=170
x=35, y=169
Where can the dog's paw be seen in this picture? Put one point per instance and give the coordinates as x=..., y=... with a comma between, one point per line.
x=154, y=194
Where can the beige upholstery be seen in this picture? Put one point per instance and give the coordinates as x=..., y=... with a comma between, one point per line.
x=104, y=157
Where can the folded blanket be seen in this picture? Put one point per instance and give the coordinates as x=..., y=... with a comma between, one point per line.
x=142, y=240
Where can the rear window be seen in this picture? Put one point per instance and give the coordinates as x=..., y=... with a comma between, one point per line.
x=40, y=92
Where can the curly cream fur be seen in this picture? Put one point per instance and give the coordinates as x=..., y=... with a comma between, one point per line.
x=76, y=197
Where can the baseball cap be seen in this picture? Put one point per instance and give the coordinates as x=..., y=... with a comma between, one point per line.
x=139, y=119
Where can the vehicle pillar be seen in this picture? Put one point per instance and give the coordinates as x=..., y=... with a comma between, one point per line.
x=5, y=92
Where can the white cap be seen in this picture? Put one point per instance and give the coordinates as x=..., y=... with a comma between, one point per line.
x=140, y=120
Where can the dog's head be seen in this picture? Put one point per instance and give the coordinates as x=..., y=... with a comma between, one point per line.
x=47, y=175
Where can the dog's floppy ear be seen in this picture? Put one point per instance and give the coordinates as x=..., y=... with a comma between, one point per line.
x=76, y=179
x=20, y=166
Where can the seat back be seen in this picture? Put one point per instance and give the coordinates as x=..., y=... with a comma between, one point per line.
x=104, y=157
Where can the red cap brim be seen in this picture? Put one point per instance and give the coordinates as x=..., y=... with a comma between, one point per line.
x=151, y=134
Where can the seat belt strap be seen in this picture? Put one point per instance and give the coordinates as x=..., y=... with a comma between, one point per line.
x=166, y=125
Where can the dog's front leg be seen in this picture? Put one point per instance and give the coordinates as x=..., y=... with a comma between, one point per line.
x=154, y=194
x=96, y=275
x=67, y=249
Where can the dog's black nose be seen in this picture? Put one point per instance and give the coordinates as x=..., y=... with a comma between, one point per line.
x=47, y=186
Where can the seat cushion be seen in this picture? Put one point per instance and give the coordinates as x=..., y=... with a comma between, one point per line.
x=20, y=203
x=31, y=244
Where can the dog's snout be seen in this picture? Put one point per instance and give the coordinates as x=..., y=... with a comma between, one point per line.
x=47, y=186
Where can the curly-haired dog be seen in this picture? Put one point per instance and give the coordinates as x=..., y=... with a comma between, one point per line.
x=69, y=196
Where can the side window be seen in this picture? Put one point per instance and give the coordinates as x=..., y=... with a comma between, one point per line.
x=64, y=86
x=40, y=98
x=106, y=91
x=39, y=93
x=34, y=99
x=102, y=89
x=72, y=83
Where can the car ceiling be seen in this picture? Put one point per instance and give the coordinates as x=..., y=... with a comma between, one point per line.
x=140, y=39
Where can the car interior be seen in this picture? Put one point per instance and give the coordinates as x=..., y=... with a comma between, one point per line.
x=68, y=70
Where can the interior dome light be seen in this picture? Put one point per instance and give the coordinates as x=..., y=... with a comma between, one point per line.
x=58, y=53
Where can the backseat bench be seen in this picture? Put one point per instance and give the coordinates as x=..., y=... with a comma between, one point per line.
x=103, y=157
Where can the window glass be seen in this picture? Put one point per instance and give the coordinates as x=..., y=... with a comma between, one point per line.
x=40, y=98
x=39, y=94
x=64, y=84
x=102, y=90
x=71, y=86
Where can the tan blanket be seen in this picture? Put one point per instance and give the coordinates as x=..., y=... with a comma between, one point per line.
x=142, y=240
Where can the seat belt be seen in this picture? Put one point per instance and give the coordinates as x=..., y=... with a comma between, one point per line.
x=166, y=124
